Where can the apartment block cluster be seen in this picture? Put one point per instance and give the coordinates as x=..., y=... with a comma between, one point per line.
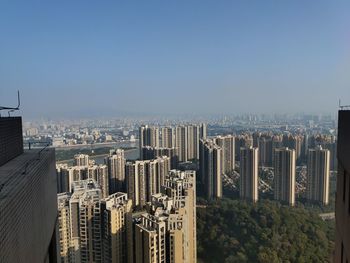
x=252, y=151
x=141, y=211
x=218, y=155
x=144, y=210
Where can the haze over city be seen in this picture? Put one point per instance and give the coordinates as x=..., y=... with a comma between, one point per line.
x=83, y=59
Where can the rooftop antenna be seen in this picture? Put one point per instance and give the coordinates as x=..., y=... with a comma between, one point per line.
x=12, y=109
x=343, y=107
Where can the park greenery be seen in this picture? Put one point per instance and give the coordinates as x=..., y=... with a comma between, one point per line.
x=236, y=231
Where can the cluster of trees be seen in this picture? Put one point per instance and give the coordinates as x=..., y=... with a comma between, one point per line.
x=236, y=231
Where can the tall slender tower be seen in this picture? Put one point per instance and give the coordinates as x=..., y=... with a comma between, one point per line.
x=193, y=136
x=211, y=168
x=64, y=226
x=181, y=142
x=249, y=174
x=318, y=167
x=116, y=171
x=284, y=180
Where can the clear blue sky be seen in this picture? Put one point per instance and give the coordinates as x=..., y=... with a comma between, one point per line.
x=91, y=58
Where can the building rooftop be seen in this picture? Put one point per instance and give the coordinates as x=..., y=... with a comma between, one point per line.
x=13, y=174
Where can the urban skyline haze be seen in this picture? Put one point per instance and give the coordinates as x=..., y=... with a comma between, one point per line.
x=81, y=59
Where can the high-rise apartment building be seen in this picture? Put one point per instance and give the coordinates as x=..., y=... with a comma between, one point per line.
x=117, y=228
x=167, y=232
x=243, y=140
x=81, y=160
x=116, y=171
x=99, y=173
x=150, y=153
x=284, y=178
x=342, y=206
x=249, y=174
x=265, y=150
x=318, y=167
x=181, y=142
x=79, y=223
x=148, y=136
x=227, y=144
x=181, y=188
x=62, y=178
x=66, y=253
x=145, y=178
x=193, y=136
x=294, y=142
x=168, y=137
x=67, y=175
x=28, y=197
x=211, y=169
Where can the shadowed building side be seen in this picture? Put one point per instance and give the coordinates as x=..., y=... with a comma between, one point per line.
x=342, y=209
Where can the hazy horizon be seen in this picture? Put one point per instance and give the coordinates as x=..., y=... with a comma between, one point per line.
x=79, y=59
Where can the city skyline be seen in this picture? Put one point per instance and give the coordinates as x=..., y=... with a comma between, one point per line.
x=126, y=59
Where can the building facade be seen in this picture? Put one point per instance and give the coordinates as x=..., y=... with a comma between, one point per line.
x=249, y=179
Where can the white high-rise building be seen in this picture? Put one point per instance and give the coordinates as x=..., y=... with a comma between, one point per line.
x=284, y=179
x=249, y=179
x=318, y=167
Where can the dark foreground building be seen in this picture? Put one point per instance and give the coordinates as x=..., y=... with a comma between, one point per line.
x=28, y=198
x=342, y=213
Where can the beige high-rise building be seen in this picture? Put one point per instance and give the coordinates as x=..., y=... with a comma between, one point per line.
x=167, y=232
x=211, y=169
x=99, y=173
x=89, y=223
x=148, y=136
x=144, y=178
x=181, y=142
x=150, y=153
x=318, y=167
x=193, y=136
x=79, y=223
x=81, y=160
x=168, y=137
x=150, y=238
x=64, y=226
x=117, y=228
x=249, y=179
x=227, y=144
x=116, y=171
x=284, y=179
x=76, y=174
x=62, y=178
x=181, y=186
